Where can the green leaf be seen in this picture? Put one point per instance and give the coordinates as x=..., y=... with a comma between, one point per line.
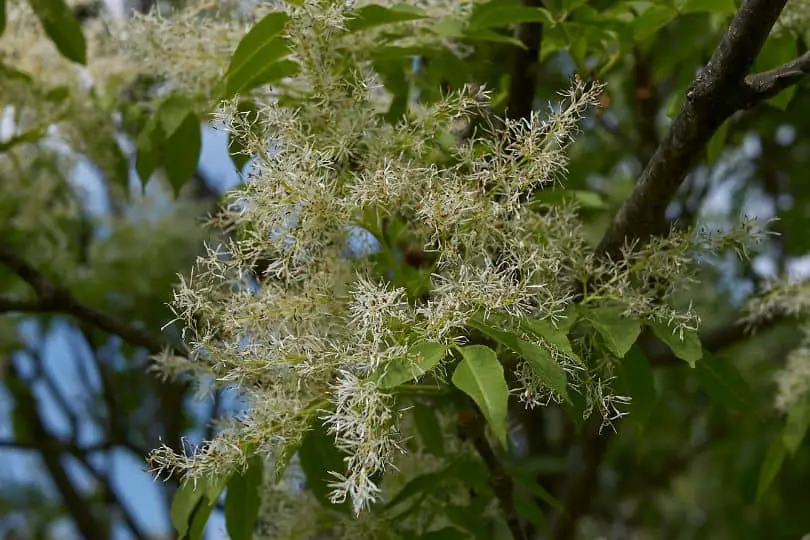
x=448, y=27
x=429, y=429
x=549, y=371
x=637, y=377
x=420, y=484
x=480, y=376
x=173, y=112
x=273, y=72
x=147, y=152
x=260, y=47
x=243, y=500
x=618, y=332
x=494, y=37
x=770, y=466
x=556, y=336
x=182, y=152
x=374, y=15
x=247, y=110
x=709, y=6
x=184, y=502
x=590, y=200
x=2, y=16
x=500, y=15
x=717, y=143
x=723, y=383
x=798, y=420
x=777, y=51
x=446, y=533
x=192, y=505
x=690, y=349
x=318, y=456
x=62, y=27
x=421, y=358
x=651, y=21
x=529, y=510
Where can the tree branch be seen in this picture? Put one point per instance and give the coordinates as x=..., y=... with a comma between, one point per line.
x=57, y=300
x=765, y=85
x=471, y=425
x=48, y=446
x=523, y=80
x=577, y=493
x=718, y=91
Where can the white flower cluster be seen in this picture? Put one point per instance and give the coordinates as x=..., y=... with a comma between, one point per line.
x=286, y=308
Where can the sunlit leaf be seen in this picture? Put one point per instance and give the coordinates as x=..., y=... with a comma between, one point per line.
x=480, y=376
x=421, y=358
x=544, y=366
x=261, y=47
x=375, y=15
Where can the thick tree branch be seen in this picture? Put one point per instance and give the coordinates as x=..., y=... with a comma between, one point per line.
x=523, y=80
x=718, y=91
x=57, y=300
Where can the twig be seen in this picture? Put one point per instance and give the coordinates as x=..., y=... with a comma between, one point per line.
x=471, y=425
x=48, y=446
x=767, y=84
x=718, y=91
x=57, y=300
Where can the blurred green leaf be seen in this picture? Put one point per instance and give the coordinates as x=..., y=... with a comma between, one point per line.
x=717, y=143
x=147, y=152
x=771, y=466
x=798, y=420
x=243, y=499
x=192, y=505
x=259, y=49
x=319, y=456
x=723, y=383
x=182, y=152
x=429, y=429
x=2, y=16
x=373, y=15
x=497, y=14
x=480, y=376
x=636, y=376
x=728, y=7
x=652, y=20
x=62, y=28
x=690, y=349
x=445, y=533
